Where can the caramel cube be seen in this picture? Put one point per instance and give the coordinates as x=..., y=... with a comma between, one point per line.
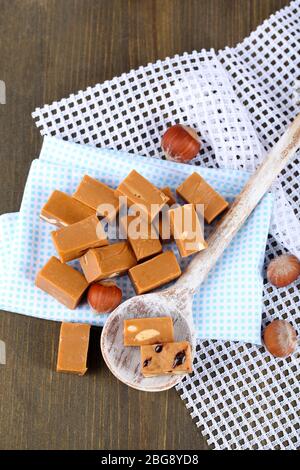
x=63, y=210
x=73, y=348
x=196, y=190
x=138, y=331
x=169, y=358
x=167, y=191
x=155, y=273
x=138, y=190
x=142, y=237
x=186, y=230
x=62, y=282
x=97, y=196
x=73, y=241
x=108, y=261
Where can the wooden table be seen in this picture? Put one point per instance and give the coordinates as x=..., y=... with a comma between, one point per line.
x=50, y=48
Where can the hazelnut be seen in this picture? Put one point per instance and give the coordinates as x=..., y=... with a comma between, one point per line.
x=104, y=297
x=280, y=338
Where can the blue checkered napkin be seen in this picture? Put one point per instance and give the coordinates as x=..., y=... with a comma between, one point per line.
x=228, y=306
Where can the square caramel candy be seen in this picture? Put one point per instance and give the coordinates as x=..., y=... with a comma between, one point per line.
x=162, y=225
x=142, y=236
x=63, y=210
x=73, y=241
x=98, y=196
x=155, y=272
x=138, y=190
x=108, y=261
x=73, y=348
x=195, y=190
x=186, y=230
x=152, y=330
x=62, y=282
x=168, y=358
x=162, y=220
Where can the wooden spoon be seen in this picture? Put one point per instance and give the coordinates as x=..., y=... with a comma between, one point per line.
x=176, y=301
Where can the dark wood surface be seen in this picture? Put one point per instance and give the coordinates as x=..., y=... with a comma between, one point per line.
x=50, y=48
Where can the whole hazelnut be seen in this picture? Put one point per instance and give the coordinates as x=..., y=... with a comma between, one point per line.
x=104, y=297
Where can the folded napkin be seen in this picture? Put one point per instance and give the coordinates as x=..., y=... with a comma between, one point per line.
x=228, y=306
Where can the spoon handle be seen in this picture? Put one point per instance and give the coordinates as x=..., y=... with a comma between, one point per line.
x=246, y=201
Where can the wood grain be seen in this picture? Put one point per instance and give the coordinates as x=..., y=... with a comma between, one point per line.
x=50, y=48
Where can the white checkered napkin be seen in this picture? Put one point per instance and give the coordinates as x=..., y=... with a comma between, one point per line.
x=219, y=309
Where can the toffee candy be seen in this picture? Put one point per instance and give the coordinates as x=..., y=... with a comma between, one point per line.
x=186, y=230
x=155, y=273
x=196, y=190
x=73, y=348
x=142, y=237
x=138, y=190
x=138, y=331
x=168, y=358
x=63, y=210
x=97, y=196
x=107, y=262
x=62, y=282
x=73, y=241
